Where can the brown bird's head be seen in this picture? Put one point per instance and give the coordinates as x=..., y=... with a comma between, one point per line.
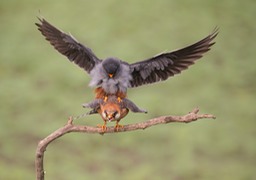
x=110, y=112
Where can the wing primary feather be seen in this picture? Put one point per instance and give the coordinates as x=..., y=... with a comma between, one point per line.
x=165, y=65
x=68, y=46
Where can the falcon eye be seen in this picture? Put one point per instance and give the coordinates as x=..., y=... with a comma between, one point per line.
x=105, y=114
x=116, y=115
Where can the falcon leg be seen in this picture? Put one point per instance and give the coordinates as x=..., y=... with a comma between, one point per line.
x=119, y=99
x=103, y=127
x=105, y=98
x=120, y=95
x=118, y=126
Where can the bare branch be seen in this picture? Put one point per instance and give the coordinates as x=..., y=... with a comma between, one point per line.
x=69, y=127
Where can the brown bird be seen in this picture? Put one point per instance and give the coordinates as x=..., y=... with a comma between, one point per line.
x=112, y=110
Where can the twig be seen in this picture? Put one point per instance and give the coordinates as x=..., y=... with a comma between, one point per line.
x=69, y=127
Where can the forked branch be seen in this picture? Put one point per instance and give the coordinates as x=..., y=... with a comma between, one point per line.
x=70, y=127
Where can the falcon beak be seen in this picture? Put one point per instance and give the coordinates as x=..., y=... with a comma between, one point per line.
x=110, y=75
x=110, y=118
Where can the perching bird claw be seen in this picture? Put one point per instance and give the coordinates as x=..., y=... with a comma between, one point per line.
x=119, y=99
x=103, y=127
x=118, y=126
x=105, y=98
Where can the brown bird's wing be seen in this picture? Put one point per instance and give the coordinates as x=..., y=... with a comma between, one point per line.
x=165, y=65
x=68, y=46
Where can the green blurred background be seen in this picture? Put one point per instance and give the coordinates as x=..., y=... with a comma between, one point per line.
x=40, y=88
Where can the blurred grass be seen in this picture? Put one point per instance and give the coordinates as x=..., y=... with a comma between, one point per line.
x=40, y=89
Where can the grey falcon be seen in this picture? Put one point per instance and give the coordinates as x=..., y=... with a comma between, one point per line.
x=113, y=76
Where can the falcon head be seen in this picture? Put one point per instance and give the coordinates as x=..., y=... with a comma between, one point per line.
x=110, y=111
x=111, y=66
x=111, y=115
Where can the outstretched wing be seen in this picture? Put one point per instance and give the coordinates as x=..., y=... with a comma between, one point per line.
x=68, y=46
x=165, y=65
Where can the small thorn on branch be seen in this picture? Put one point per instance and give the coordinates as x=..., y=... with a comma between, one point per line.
x=70, y=120
x=195, y=111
